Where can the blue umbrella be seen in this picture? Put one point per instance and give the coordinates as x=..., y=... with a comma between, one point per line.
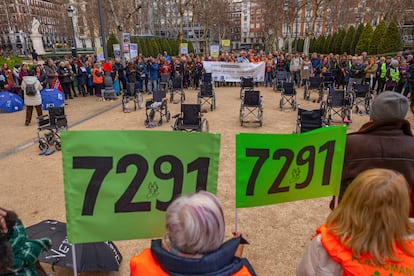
x=10, y=102
x=52, y=97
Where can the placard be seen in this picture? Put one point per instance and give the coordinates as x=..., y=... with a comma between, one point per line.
x=277, y=168
x=118, y=184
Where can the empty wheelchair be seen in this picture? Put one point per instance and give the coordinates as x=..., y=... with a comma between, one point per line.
x=339, y=104
x=251, y=108
x=206, y=95
x=49, y=126
x=288, y=95
x=190, y=119
x=132, y=96
x=308, y=120
x=157, y=104
x=165, y=79
x=328, y=82
x=281, y=77
x=177, y=88
x=362, y=96
x=246, y=84
x=313, y=85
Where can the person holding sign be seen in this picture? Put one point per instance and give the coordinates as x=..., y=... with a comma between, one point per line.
x=193, y=244
x=368, y=234
x=384, y=142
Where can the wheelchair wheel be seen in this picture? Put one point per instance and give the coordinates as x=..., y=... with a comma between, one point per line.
x=241, y=93
x=281, y=103
x=58, y=146
x=160, y=122
x=146, y=122
x=204, y=126
x=294, y=105
x=214, y=103
x=43, y=144
x=171, y=96
x=168, y=116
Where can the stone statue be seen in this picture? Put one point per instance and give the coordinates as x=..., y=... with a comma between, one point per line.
x=35, y=26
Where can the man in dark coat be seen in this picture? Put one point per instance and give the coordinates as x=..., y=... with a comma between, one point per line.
x=384, y=142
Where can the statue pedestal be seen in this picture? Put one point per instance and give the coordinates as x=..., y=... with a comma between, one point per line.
x=38, y=43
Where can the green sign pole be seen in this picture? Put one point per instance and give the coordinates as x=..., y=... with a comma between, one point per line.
x=118, y=184
x=276, y=168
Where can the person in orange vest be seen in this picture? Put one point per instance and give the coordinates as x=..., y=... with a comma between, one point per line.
x=369, y=233
x=193, y=244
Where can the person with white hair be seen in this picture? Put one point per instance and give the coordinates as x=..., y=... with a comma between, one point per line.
x=193, y=244
x=392, y=76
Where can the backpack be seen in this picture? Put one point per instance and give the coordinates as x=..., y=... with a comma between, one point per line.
x=31, y=89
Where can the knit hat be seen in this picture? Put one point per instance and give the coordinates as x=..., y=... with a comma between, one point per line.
x=389, y=105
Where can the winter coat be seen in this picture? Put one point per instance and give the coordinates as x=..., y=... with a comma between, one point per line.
x=159, y=262
x=380, y=144
x=64, y=75
x=32, y=100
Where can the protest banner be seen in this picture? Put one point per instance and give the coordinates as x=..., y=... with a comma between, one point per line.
x=232, y=72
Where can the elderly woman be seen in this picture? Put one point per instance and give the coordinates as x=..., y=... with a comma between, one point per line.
x=369, y=233
x=193, y=244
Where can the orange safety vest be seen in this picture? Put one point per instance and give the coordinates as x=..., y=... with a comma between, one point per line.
x=364, y=265
x=145, y=264
x=95, y=78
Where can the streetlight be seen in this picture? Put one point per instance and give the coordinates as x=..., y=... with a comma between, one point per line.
x=296, y=31
x=70, y=11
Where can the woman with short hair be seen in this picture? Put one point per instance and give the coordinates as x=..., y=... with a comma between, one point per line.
x=193, y=244
x=369, y=233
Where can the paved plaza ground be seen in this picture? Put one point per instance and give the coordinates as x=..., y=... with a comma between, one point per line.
x=32, y=185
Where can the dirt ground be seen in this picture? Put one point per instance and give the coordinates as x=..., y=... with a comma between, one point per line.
x=32, y=185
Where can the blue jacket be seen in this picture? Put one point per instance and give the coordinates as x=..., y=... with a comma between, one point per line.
x=316, y=64
x=221, y=262
x=154, y=71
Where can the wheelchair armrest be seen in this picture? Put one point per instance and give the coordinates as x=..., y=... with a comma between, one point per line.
x=42, y=117
x=176, y=116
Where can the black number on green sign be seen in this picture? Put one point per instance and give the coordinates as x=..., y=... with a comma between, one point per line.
x=124, y=203
x=306, y=156
x=329, y=147
x=201, y=166
x=288, y=154
x=310, y=160
x=102, y=166
x=175, y=172
x=263, y=154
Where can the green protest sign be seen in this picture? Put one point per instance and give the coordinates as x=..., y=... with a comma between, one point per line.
x=118, y=184
x=276, y=168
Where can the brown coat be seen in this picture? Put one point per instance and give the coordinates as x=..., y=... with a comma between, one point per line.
x=380, y=144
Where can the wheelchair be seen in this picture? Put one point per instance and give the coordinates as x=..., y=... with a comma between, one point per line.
x=246, y=84
x=328, y=82
x=251, y=108
x=177, y=88
x=49, y=126
x=206, y=95
x=362, y=95
x=132, y=95
x=165, y=78
x=308, y=120
x=157, y=104
x=339, y=104
x=190, y=119
x=281, y=77
x=288, y=95
x=313, y=85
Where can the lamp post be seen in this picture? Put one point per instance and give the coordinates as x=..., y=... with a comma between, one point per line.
x=296, y=20
x=70, y=11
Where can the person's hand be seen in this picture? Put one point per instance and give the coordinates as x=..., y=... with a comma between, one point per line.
x=239, y=251
x=3, y=226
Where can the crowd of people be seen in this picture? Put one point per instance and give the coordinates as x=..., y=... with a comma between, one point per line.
x=368, y=232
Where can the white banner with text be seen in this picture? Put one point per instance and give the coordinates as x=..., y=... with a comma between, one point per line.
x=232, y=72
